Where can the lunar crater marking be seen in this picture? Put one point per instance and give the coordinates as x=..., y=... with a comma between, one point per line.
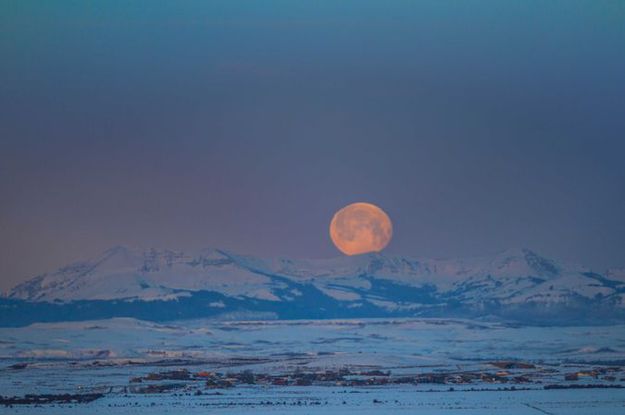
x=360, y=228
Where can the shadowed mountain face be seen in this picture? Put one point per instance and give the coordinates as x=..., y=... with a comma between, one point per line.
x=519, y=285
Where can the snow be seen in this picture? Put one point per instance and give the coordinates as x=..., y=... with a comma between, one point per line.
x=391, y=342
x=121, y=273
x=264, y=294
x=343, y=295
x=371, y=401
x=510, y=278
x=82, y=357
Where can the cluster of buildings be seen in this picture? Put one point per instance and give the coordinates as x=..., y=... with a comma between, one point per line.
x=508, y=372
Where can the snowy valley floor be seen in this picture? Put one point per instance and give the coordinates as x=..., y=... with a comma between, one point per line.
x=428, y=366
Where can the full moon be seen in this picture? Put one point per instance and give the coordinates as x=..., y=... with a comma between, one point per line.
x=360, y=228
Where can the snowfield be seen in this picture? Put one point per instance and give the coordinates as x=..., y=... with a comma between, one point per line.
x=356, y=365
x=319, y=400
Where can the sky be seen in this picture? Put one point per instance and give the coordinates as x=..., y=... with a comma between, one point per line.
x=477, y=126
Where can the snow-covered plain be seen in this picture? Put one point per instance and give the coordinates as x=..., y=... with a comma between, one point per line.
x=103, y=356
x=320, y=400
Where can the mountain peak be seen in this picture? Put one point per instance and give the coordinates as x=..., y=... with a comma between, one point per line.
x=166, y=284
x=375, y=284
x=117, y=249
x=525, y=260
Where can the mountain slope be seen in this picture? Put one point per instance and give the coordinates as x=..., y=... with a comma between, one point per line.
x=163, y=285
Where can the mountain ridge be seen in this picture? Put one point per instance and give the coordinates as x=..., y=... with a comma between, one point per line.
x=516, y=284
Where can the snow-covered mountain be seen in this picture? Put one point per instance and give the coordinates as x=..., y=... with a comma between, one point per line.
x=162, y=285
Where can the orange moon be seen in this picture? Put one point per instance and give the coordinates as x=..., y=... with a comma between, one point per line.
x=360, y=228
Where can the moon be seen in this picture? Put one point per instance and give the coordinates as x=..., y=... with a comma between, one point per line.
x=360, y=228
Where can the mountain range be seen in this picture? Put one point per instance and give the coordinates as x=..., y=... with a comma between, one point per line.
x=520, y=286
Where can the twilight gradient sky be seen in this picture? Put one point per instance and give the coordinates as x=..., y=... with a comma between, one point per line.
x=477, y=125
